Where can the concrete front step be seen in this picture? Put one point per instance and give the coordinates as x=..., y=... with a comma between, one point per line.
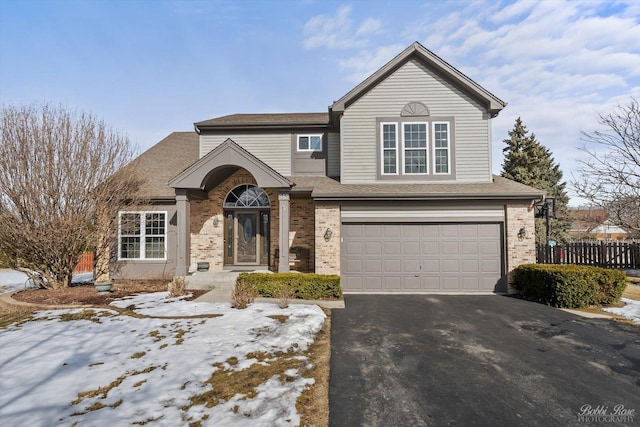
x=219, y=280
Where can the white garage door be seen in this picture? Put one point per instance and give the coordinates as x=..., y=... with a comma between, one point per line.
x=405, y=258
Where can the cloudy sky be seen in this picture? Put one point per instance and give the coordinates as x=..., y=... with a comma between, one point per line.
x=152, y=67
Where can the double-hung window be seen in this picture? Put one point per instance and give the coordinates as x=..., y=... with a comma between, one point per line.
x=414, y=137
x=142, y=235
x=389, y=148
x=441, y=157
x=416, y=148
x=309, y=142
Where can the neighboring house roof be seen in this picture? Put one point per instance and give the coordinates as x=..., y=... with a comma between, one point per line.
x=500, y=188
x=270, y=120
x=434, y=62
x=593, y=221
x=164, y=161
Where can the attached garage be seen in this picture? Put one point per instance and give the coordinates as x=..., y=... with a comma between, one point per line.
x=415, y=257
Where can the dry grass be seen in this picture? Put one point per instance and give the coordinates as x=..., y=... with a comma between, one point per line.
x=10, y=317
x=313, y=403
x=177, y=287
x=632, y=291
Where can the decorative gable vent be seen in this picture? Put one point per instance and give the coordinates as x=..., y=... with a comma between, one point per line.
x=414, y=109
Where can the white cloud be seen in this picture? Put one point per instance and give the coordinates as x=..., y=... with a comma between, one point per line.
x=339, y=31
x=363, y=64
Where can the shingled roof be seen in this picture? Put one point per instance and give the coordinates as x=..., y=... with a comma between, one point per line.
x=164, y=161
x=322, y=187
x=268, y=120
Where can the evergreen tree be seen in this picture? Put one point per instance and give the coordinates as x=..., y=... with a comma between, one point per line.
x=527, y=161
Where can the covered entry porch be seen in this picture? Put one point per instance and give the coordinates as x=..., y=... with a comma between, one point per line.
x=232, y=210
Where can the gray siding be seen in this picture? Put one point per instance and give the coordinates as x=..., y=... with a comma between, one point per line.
x=414, y=82
x=272, y=148
x=333, y=155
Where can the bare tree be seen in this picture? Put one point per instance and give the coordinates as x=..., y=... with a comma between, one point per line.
x=62, y=180
x=610, y=176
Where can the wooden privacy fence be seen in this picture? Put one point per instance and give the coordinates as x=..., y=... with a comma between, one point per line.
x=85, y=265
x=622, y=254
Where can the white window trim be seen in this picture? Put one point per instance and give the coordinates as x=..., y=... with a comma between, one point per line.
x=382, y=149
x=433, y=130
x=426, y=149
x=309, y=136
x=143, y=219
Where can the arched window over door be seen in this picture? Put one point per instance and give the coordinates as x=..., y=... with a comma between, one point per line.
x=247, y=212
x=247, y=196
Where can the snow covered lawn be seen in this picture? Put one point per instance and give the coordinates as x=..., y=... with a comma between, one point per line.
x=106, y=367
x=631, y=310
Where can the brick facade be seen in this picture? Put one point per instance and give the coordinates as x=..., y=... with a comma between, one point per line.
x=327, y=253
x=519, y=250
x=207, y=238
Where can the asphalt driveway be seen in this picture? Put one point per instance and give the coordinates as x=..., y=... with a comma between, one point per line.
x=417, y=360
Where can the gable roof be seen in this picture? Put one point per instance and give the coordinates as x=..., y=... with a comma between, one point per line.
x=219, y=160
x=433, y=61
x=269, y=120
x=163, y=161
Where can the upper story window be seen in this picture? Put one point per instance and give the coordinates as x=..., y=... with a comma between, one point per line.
x=142, y=235
x=389, y=133
x=309, y=142
x=414, y=136
x=416, y=148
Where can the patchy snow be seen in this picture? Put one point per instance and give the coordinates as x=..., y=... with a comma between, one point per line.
x=12, y=280
x=150, y=366
x=631, y=310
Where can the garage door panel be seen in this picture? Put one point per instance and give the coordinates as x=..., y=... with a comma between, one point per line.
x=372, y=248
x=353, y=248
x=449, y=248
x=412, y=266
x=469, y=266
x=393, y=247
x=421, y=257
x=412, y=283
x=450, y=265
x=411, y=248
x=393, y=266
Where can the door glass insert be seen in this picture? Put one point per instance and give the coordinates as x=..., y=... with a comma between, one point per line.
x=247, y=242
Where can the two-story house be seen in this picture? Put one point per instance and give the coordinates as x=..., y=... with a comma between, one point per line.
x=391, y=188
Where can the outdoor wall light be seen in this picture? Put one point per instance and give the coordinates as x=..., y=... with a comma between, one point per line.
x=523, y=233
x=328, y=233
x=216, y=221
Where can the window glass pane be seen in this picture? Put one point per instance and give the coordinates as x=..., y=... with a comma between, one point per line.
x=130, y=224
x=442, y=163
x=415, y=161
x=389, y=161
x=440, y=136
x=154, y=247
x=415, y=135
x=129, y=247
x=303, y=143
x=154, y=224
x=316, y=143
x=389, y=136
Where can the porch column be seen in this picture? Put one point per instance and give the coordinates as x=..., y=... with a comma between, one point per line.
x=283, y=203
x=183, y=213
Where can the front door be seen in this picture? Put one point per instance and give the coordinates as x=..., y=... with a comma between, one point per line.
x=247, y=238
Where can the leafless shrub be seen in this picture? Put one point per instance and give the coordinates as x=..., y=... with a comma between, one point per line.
x=177, y=287
x=62, y=181
x=285, y=294
x=242, y=295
